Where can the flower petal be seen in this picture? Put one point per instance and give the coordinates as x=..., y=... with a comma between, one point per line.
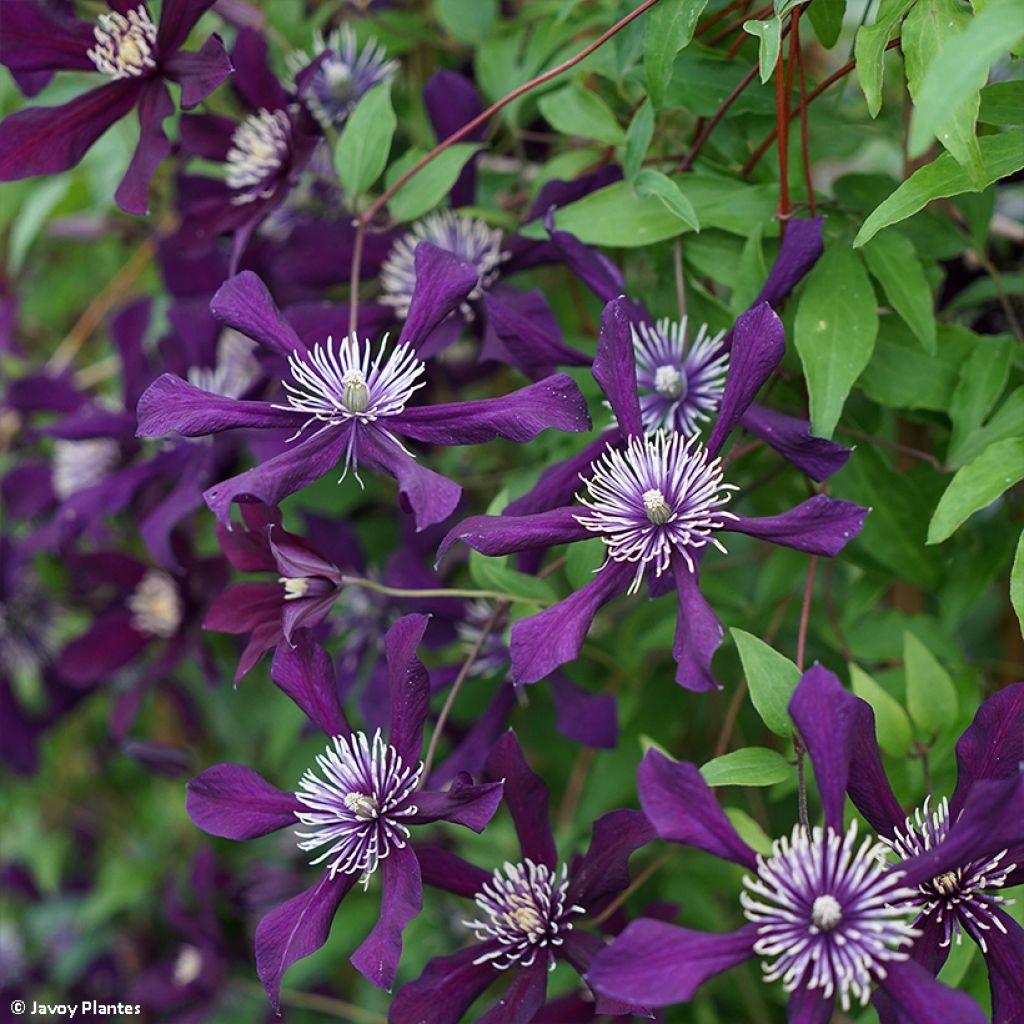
x=501, y=535
x=305, y=672
x=809, y=1006
x=800, y=249
x=401, y=900
x=821, y=525
x=177, y=19
x=296, y=929
x=921, y=999
x=462, y=803
x=253, y=79
x=615, y=367
x=171, y=404
x=596, y=271
x=445, y=990
x=199, y=73
x=234, y=802
x=758, y=344
x=155, y=106
x=42, y=37
x=531, y=344
x=698, y=632
x=443, y=283
x=554, y=636
x=452, y=100
x=588, y=718
x=431, y=498
x=992, y=746
x=110, y=643
x=48, y=140
x=245, y=303
x=655, y=964
x=683, y=809
x=818, y=457
x=445, y=870
x=604, y=870
x=409, y=685
x=526, y=797
x=523, y=998
x=1005, y=959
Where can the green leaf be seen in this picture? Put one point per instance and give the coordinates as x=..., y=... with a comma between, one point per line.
x=826, y=18
x=650, y=182
x=362, y=150
x=1005, y=423
x=869, y=50
x=1002, y=103
x=469, y=21
x=834, y=332
x=750, y=766
x=582, y=559
x=932, y=27
x=961, y=68
x=1017, y=582
x=496, y=574
x=771, y=678
x=32, y=216
x=749, y=830
x=976, y=486
x=574, y=110
x=983, y=375
x=638, y=139
x=931, y=696
x=669, y=29
x=751, y=272
x=426, y=189
x=894, y=263
x=769, y=36
x=1001, y=156
x=891, y=722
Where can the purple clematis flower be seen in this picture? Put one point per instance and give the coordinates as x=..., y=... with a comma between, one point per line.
x=355, y=809
x=827, y=915
x=962, y=894
x=657, y=503
x=138, y=56
x=528, y=914
x=346, y=403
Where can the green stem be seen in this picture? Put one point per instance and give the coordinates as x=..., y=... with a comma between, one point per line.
x=484, y=595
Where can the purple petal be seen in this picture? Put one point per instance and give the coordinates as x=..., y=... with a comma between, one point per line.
x=800, y=249
x=523, y=998
x=992, y=746
x=155, y=106
x=296, y=929
x=820, y=526
x=110, y=643
x=615, y=368
x=243, y=607
x=923, y=1000
x=445, y=990
x=305, y=672
x=501, y=535
x=171, y=404
x=48, y=140
x=654, y=964
x=206, y=135
x=245, y=303
x=792, y=439
x=444, y=870
x=462, y=803
x=604, y=870
x=301, y=464
x=588, y=718
x=41, y=37
x=470, y=754
x=443, y=283
x=234, y=802
x=200, y=73
x=809, y=1006
x=253, y=80
x=431, y=497
x=128, y=331
x=758, y=344
x=554, y=636
x=596, y=271
x=409, y=685
x=580, y=949
x=526, y=797
x=177, y=19
x=531, y=343
x=552, y=403
x=181, y=501
x=1005, y=960
x=698, y=632
x=683, y=809
x=452, y=101
x=401, y=900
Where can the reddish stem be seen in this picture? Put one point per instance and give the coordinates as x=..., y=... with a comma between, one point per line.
x=804, y=147
x=805, y=614
x=783, y=79
x=698, y=144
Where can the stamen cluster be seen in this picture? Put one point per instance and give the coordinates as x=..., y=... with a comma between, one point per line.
x=155, y=605
x=526, y=914
x=259, y=147
x=80, y=464
x=124, y=43
x=357, y=808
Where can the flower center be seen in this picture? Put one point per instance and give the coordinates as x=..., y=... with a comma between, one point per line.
x=829, y=913
x=525, y=914
x=355, y=395
x=469, y=238
x=259, y=146
x=957, y=898
x=237, y=367
x=78, y=465
x=659, y=496
x=155, y=605
x=356, y=809
x=295, y=587
x=124, y=44
x=685, y=381
x=188, y=966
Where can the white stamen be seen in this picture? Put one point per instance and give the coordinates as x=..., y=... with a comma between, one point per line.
x=124, y=44
x=259, y=146
x=155, y=605
x=668, y=381
x=78, y=465
x=188, y=966
x=294, y=586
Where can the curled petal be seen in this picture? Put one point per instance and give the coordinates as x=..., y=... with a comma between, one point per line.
x=409, y=685
x=200, y=73
x=443, y=283
x=615, y=367
x=305, y=672
x=245, y=303
x=604, y=870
